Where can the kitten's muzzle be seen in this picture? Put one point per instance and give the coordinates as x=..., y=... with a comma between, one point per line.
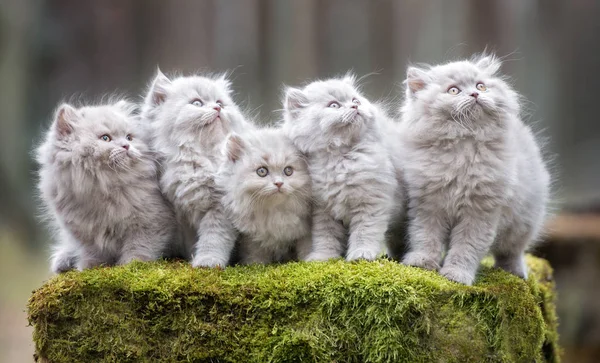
x=475, y=95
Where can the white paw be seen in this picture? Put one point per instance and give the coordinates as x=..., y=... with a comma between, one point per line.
x=361, y=254
x=457, y=275
x=420, y=260
x=63, y=264
x=321, y=256
x=207, y=261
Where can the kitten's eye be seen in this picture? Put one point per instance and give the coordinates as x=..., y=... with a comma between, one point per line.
x=288, y=170
x=356, y=101
x=453, y=91
x=129, y=137
x=333, y=104
x=197, y=102
x=105, y=138
x=262, y=171
x=220, y=103
x=481, y=87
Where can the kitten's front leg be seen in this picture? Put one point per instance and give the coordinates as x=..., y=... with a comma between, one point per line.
x=367, y=234
x=327, y=236
x=90, y=257
x=216, y=239
x=470, y=240
x=142, y=248
x=427, y=232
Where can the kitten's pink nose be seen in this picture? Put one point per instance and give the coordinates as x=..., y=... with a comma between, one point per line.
x=354, y=106
x=475, y=94
x=217, y=108
x=126, y=146
x=278, y=184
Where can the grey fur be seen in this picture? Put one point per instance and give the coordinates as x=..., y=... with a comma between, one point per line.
x=353, y=179
x=188, y=139
x=102, y=200
x=476, y=179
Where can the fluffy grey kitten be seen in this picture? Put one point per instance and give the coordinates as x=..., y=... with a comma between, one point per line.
x=267, y=196
x=190, y=118
x=353, y=180
x=97, y=180
x=476, y=179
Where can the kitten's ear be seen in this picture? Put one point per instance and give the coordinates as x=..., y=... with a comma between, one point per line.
x=489, y=63
x=126, y=106
x=350, y=78
x=234, y=147
x=294, y=99
x=64, y=119
x=224, y=83
x=159, y=89
x=416, y=79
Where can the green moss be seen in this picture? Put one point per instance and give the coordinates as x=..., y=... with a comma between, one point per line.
x=299, y=312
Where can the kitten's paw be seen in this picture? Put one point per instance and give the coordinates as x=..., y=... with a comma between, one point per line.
x=421, y=260
x=457, y=275
x=63, y=264
x=207, y=261
x=515, y=266
x=361, y=254
x=321, y=256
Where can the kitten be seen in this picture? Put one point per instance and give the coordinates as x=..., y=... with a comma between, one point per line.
x=354, y=183
x=267, y=196
x=476, y=179
x=190, y=118
x=97, y=180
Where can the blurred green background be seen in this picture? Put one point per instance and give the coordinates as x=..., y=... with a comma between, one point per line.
x=52, y=50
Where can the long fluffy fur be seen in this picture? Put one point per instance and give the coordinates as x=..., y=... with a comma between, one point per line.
x=188, y=138
x=475, y=176
x=354, y=182
x=274, y=221
x=102, y=200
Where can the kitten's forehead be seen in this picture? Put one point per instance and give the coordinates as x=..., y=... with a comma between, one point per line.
x=457, y=71
x=338, y=89
x=197, y=86
x=272, y=146
x=104, y=116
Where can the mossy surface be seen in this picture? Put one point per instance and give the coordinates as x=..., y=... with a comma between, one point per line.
x=336, y=311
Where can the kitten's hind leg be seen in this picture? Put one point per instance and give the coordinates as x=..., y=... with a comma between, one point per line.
x=216, y=239
x=367, y=235
x=427, y=233
x=470, y=240
x=328, y=235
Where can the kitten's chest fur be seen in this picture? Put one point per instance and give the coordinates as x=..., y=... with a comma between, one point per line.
x=462, y=172
x=275, y=227
x=104, y=212
x=346, y=178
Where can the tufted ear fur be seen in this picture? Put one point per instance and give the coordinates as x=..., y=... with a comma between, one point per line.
x=489, y=63
x=64, y=119
x=294, y=99
x=223, y=82
x=234, y=147
x=159, y=89
x=416, y=79
x=349, y=78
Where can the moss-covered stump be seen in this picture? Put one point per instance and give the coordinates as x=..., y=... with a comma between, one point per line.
x=299, y=312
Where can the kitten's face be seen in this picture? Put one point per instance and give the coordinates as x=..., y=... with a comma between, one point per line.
x=267, y=167
x=462, y=91
x=104, y=136
x=332, y=106
x=188, y=104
